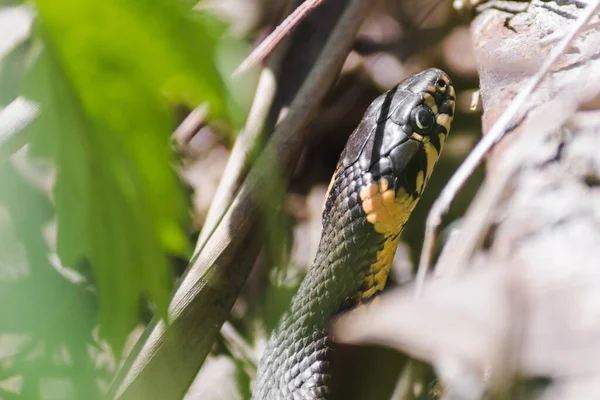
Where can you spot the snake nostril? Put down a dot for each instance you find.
(441, 83)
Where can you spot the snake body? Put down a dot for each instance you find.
(379, 179)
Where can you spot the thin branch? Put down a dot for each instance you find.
(442, 204)
(190, 125)
(239, 162)
(169, 359)
(266, 47)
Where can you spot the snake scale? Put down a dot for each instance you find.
(379, 179)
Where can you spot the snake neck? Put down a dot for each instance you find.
(351, 265)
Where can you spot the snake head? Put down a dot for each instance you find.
(420, 108)
(404, 130)
(389, 158)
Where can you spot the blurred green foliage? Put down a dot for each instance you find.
(107, 76)
(103, 76)
(50, 315)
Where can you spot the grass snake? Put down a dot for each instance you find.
(379, 179)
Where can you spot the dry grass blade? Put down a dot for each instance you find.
(190, 125)
(239, 161)
(499, 128)
(267, 46)
(203, 301)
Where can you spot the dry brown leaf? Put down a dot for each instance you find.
(461, 318)
(470, 319)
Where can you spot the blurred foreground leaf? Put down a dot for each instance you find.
(46, 320)
(103, 80)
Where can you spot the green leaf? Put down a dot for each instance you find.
(154, 48)
(28, 211)
(103, 81)
(39, 305)
(11, 70)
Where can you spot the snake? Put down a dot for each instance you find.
(381, 175)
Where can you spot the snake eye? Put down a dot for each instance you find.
(441, 83)
(422, 119)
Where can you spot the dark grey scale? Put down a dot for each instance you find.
(384, 105)
(352, 188)
(314, 371)
(353, 200)
(344, 193)
(437, 129)
(402, 155)
(353, 228)
(446, 108)
(417, 163)
(438, 97)
(311, 347)
(401, 115)
(381, 168)
(352, 176)
(389, 178)
(396, 184)
(305, 363)
(370, 119)
(295, 384)
(348, 246)
(395, 134)
(352, 250)
(361, 276)
(349, 175)
(294, 372)
(320, 392)
(435, 140)
(325, 379)
(361, 140)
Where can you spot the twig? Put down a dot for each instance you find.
(168, 361)
(190, 125)
(266, 47)
(441, 205)
(14, 118)
(238, 164)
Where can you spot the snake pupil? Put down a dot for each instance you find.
(422, 119)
